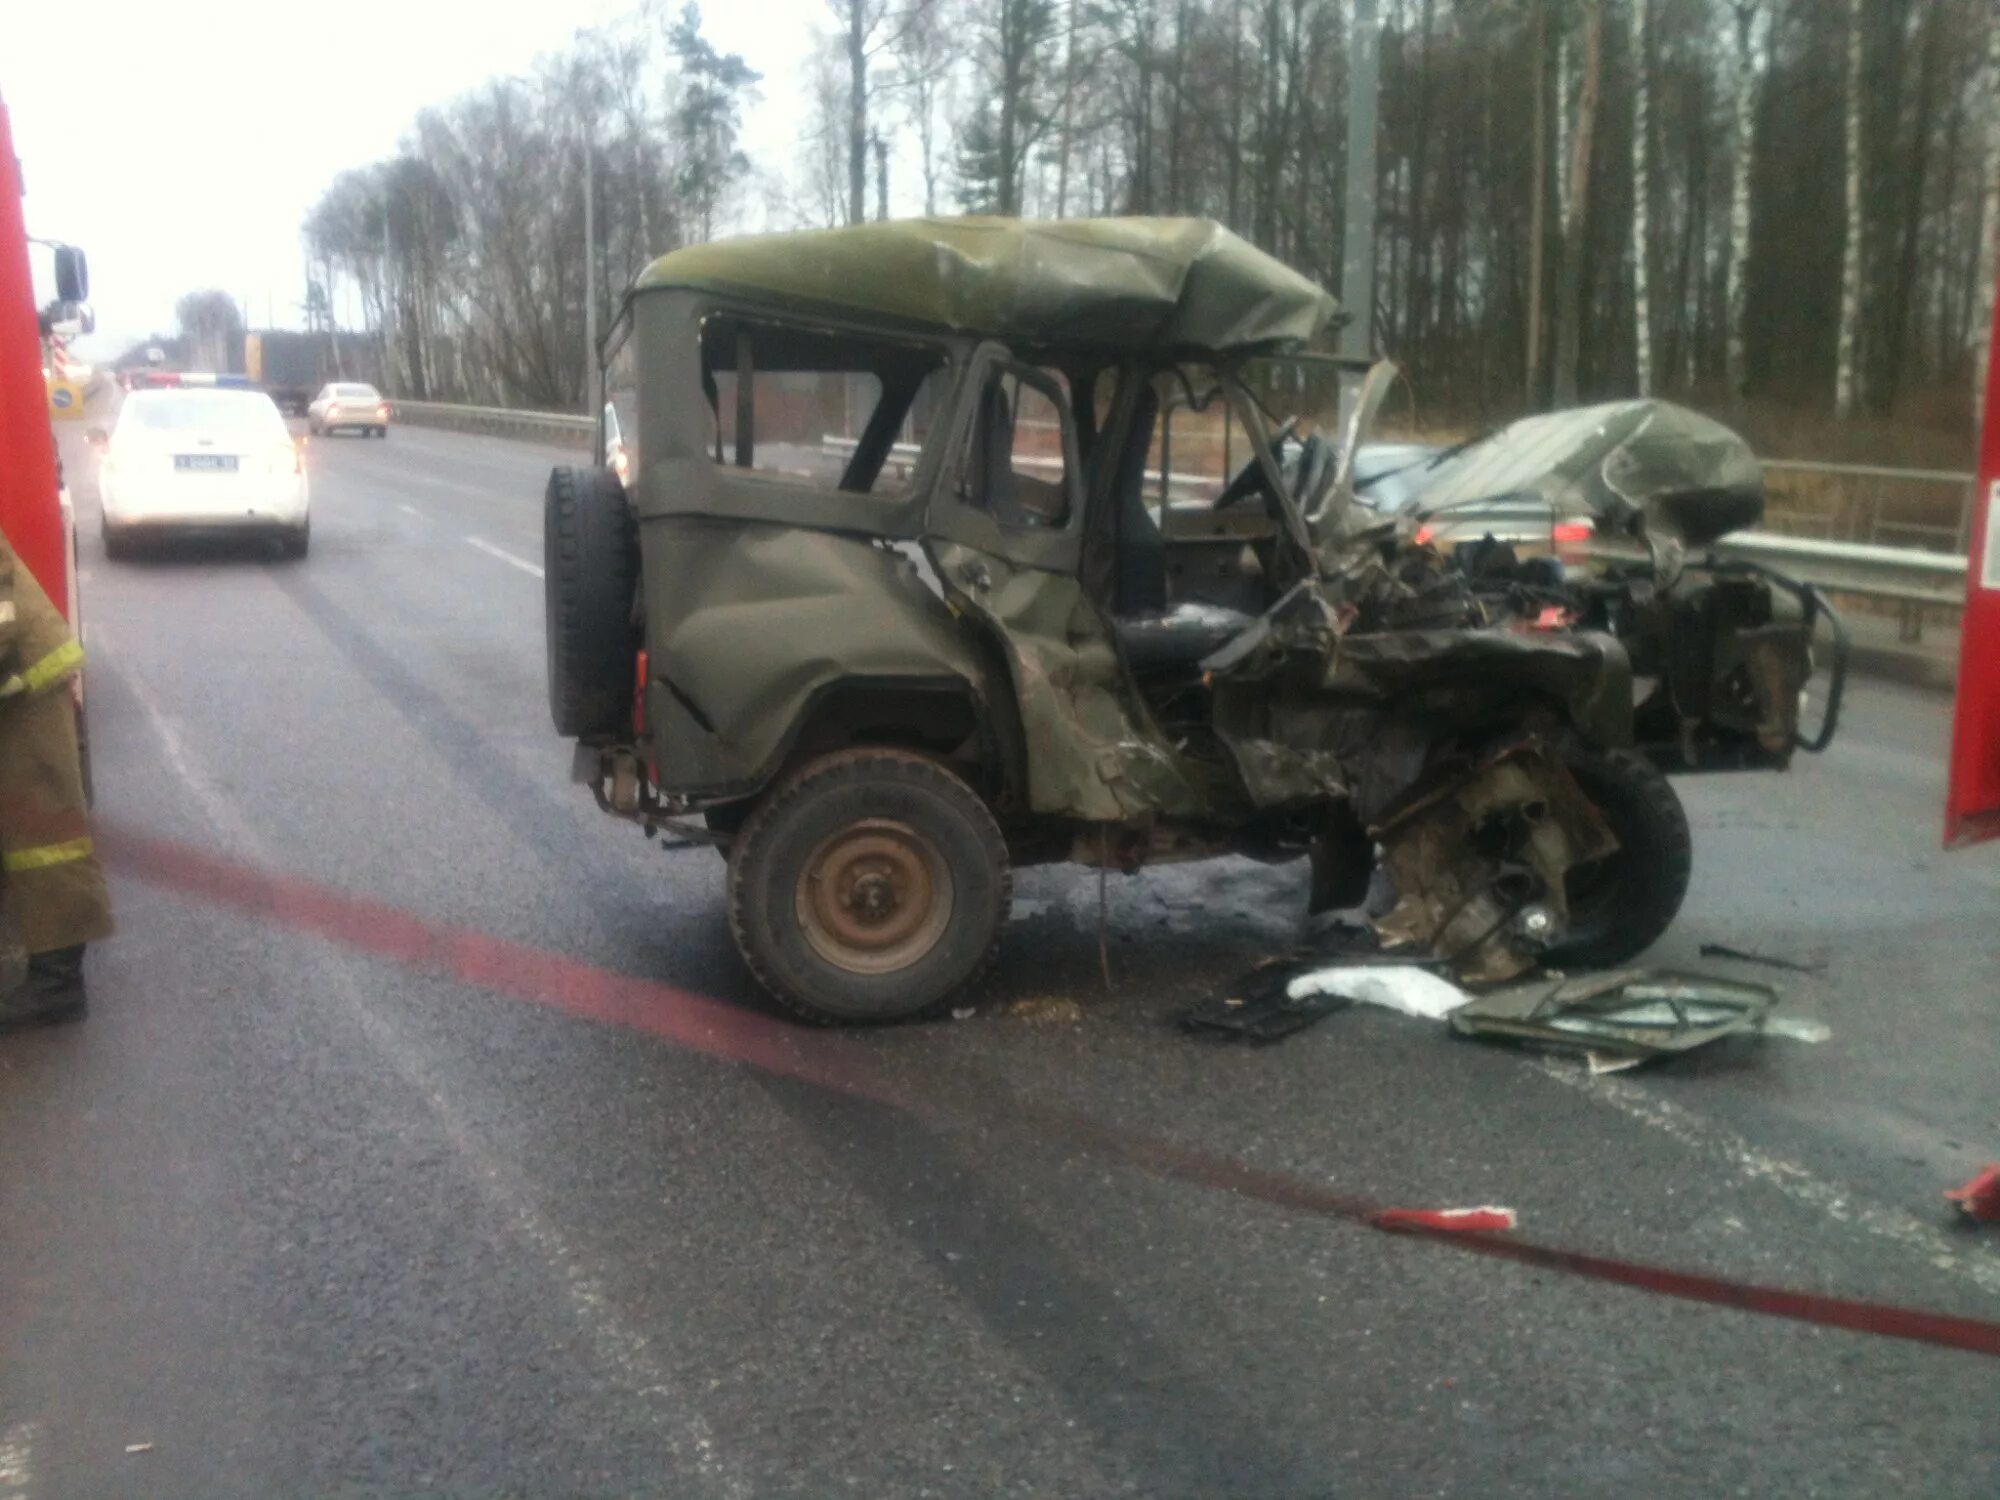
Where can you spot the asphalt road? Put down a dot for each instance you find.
(402, 1153)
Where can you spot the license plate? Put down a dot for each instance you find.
(209, 463)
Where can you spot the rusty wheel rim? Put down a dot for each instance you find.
(874, 897)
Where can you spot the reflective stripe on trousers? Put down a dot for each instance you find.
(16, 860)
(64, 659)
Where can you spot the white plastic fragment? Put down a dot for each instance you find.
(1613, 1062)
(1798, 1028)
(1399, 987)
(1194, 612)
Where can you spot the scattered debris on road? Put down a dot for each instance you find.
(1979, 1200)
(1745, 956)
(1047, 1010)
(1797, 1028)
(1453, 1220)
(1623, 1014)
(138, 1447)
(1617, 1019)
(1270, 1012)
(1404, 987)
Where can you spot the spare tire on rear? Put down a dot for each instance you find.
(590, 559)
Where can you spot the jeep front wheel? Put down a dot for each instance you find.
(1621, 904)
(870, 886)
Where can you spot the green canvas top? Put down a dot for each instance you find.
(1181, 285)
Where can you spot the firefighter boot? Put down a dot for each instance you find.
(51, 994)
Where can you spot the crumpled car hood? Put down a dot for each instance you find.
(1681, 474)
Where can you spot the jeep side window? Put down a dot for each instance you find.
(1017, 469)
(828, 409)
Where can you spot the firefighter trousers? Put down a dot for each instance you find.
(50, 884)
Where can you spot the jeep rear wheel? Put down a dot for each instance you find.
(871, 886)
(590, 557)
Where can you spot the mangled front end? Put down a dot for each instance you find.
(1448, 748)
(1721, 649)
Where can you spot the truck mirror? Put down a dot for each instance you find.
(72, 274)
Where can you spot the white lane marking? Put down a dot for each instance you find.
(532, 569)
(1754, 1164)
(621, 1348)
(213, 803)
(17, 1460)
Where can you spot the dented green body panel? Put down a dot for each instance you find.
(1092, 751)
(748, 625)
(1127, 284)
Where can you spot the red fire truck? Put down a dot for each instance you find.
(34, 509)
(1972, 808)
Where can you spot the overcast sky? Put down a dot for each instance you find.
(181, 144)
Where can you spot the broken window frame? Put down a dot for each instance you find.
(969, 478)
(944, 369)
(1250, 412)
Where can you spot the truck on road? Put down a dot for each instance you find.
(289, 365)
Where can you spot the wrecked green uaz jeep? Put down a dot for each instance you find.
(919, 551)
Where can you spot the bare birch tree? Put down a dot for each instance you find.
(1565, 102)
(1538, 207)
(1569, 286)
(925, 51)
(1742, 159)
(1846, 364)
(1642, 192)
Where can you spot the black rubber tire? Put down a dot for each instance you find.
(1622, 904)
(767, 857)
(298, 543)
(590, 559)
(117, 545)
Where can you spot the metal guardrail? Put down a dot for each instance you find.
(1904, 575)
(1878, 526)
(903, 458)
(565, 429)
(1908, 576)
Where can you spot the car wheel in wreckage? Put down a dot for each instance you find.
(1563, 855)
(869, 886)
(1621, 904)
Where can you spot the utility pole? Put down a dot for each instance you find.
(1357, 276)
(593, 401)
